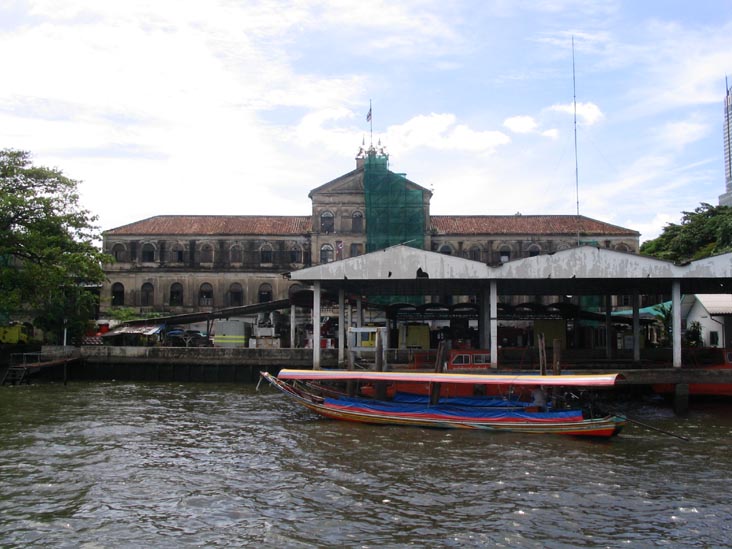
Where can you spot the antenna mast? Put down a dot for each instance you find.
(576, 164)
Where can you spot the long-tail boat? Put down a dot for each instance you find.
(323, 392)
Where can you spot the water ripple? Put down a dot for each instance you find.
(169, 465)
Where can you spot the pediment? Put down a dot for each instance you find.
(352, 182)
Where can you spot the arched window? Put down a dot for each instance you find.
(475, 253)
(295, 288)
(235, 254)
(147, 295)
(534, 250)
(119, 253)
(326, 253)
(207, 253)
(445, 249)
(118, 295)
(265, 293)
(622, 247)
(295, 254)
(327, 222)
(265, 254)
(177, 254)
(205, 295)
(357, 222)
(176, 294)
(148, 253)
(236, 295)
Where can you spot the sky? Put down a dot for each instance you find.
(242, 107)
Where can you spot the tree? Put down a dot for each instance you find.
(48, 260)
(663, 312)
(705, 231)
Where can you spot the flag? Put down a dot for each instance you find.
(368, 115)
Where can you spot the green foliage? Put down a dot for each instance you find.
(663, 312)
(48, 259)
(705, 231)
(693, 334)
(123, 314)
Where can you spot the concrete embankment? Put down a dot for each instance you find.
(190, 364)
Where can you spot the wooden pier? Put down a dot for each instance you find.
(242, 365)
(24, 365)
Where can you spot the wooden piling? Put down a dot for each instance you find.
(681, 398)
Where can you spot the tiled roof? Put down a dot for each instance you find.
(525, 224)
(190, 225)
(199, 225)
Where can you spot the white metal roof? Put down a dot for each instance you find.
(716, 304)
(574, 271)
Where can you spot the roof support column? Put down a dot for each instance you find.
(316, 325)
(676, 321)
(341, 327)
(359, 312)
(608, 326)
(636, 326)
(293, 323)
(484, 321)
(494, 324)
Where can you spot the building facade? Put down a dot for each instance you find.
(190, 263)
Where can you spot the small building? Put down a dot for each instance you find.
(710, 311)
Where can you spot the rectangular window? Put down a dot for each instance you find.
(714, 339)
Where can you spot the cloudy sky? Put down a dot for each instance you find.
(244, 106)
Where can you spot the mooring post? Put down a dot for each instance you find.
(681, 398)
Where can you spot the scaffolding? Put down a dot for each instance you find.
(394, 212)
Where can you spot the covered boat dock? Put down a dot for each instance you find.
(402, 271)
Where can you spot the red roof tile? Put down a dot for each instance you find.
(525, 224)
(190, 225)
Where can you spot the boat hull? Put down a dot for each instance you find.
(451, 417)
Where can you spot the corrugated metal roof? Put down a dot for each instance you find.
(526, 224)
(139, 330)
(189, 225)
(716, 304)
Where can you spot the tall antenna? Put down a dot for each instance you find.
(576, 164)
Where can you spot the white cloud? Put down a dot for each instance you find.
(653, 227)
(678, 134)
(521, 124)
(587, 113)
(440, 131)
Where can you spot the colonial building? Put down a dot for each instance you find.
(188, 263)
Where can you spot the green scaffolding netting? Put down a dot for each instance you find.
(394, 212)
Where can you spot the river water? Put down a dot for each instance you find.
(206, 465)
